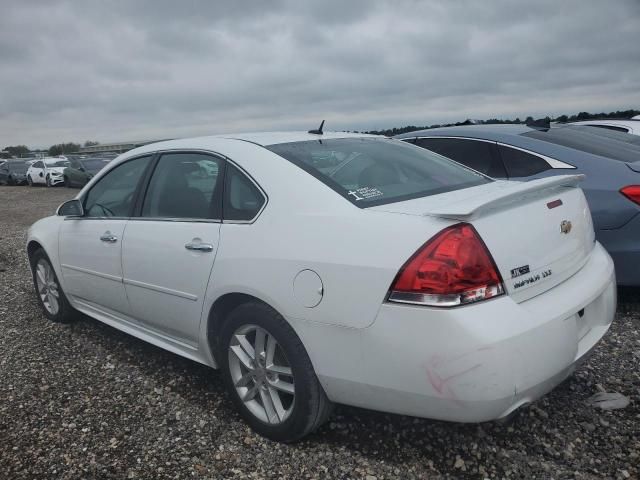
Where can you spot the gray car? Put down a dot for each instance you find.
(519, 152)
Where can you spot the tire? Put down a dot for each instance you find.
(10, 181)
(66, 182)
(48, 181)
(29, 181)
(299, 413)
(64, 313)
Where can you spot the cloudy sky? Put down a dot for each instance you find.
(126, 70)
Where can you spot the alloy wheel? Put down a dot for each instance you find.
(261, 374)
(47, 287)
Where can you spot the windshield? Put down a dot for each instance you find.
(57, 163)
(93, 165)
(17, 167)
(589, 142)
(376, 171)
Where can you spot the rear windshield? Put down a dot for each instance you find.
(18, 167)
(593, 143)
(376, 171)
(93, 165)
(57, 163)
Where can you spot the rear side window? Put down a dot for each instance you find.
(521, 164)
(376, 171)
(242, 199)
(472, 153)
(185, 185)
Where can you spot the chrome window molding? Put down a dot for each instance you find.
(553, 163)
(192, 220)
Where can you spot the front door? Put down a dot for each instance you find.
(91, 246)
(37, 172)
(169, 250)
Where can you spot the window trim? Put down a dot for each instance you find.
(553, 163)
(224, 161)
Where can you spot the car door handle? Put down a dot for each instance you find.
(199, 247)
(108, 237)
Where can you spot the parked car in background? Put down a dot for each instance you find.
(13, 172)
(47, 171)
(81, 170)
(259, 255)
(518, 152)
(631, 125)
(602, 132)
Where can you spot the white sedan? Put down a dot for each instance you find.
(47, 171)
(320, 268)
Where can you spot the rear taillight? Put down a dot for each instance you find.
(632, 192)
(453, 268)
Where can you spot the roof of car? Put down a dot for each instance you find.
(495, 132)
(273, 138)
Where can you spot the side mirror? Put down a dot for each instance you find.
(41, 174)
(81, 169)
(71, 208)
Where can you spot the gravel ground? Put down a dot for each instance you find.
(86, 401)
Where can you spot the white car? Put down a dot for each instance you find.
(320, 268)
(47, 171)
(631, 126)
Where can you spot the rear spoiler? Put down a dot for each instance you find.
(635, 166)
(509, 192)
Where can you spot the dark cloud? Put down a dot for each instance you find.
(74, 70)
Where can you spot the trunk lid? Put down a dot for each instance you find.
(539, 232)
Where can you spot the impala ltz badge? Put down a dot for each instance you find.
(565, 226)
(516, 272)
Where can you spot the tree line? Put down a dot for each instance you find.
(54, 150)
(70, 147)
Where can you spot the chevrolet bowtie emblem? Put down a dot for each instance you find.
(565, 226)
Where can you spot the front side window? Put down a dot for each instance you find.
(472, 153)
(521, 164)
(375, 171)
(185, 185)
(38, 165)
(113, 194)
(242, 199)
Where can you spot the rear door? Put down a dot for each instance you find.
(90, 247)
(170, 246)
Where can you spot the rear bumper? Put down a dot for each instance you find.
(483, 361)
(623, 244)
